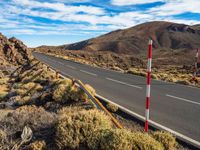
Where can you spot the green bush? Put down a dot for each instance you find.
(75, 126)
(166, 138)
(111, 107)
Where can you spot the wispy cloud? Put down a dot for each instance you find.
(133, 2)
(89, 17)
(174, 7)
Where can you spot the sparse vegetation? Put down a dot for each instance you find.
(119, 139)
(167, 139)
(37, 145)
(111, 107)
(57, 112)
(172, 72)
(75, 126)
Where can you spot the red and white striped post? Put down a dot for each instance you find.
(148, 85)
(195, 64)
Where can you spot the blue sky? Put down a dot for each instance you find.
(57, 22)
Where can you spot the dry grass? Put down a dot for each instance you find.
(112, 108)
(108, 139)
(145, 142)
(32, 116)
(167, 139)
(75, 126)
(4, 80)
(120, 139)
(37, 145)
(65, 91)
(169, 73)
(90, 89)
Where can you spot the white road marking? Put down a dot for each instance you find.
(124, 83)
(88, 73)
(183, 99)
(70, 66)
(153, 123)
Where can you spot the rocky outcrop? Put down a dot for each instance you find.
(13, 51)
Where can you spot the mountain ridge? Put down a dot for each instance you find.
(165, 35)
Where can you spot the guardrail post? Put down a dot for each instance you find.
(148, 85)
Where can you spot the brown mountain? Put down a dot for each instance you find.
(13, 51)
(165, 35)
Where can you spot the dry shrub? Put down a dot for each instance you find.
(59, 93)
(37, 145)
(3, 94)
(171, 79)
(166, 138)
(185, 82)
(154, 76)
(27, 88)
(37, 73)
(3, 140)
(111, 107)
(65, 91)
(110, 139)
(4, 80)
(23, 100)
(90, 89)
(32, 116)
(61, 90)
(145, 142)
(75, 126)
(136, 71)
(120, 139)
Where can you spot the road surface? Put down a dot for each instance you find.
(174, 106)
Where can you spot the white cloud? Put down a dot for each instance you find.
(98, 20)
(175, 7)
(132, 2)
(60, 7)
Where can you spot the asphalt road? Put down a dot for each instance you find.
(174, 106)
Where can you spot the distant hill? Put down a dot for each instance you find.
(13, 51)
(166, 35)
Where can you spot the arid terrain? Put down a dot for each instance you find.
(174, 47)
(40, 110)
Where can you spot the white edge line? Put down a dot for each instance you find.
(124, 83)
(172, 83)
(88, 73)
(157, 125)
(183, 99)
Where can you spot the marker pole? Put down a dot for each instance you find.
(148, 85)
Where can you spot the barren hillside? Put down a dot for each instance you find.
(13, 51)
(166, 35)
